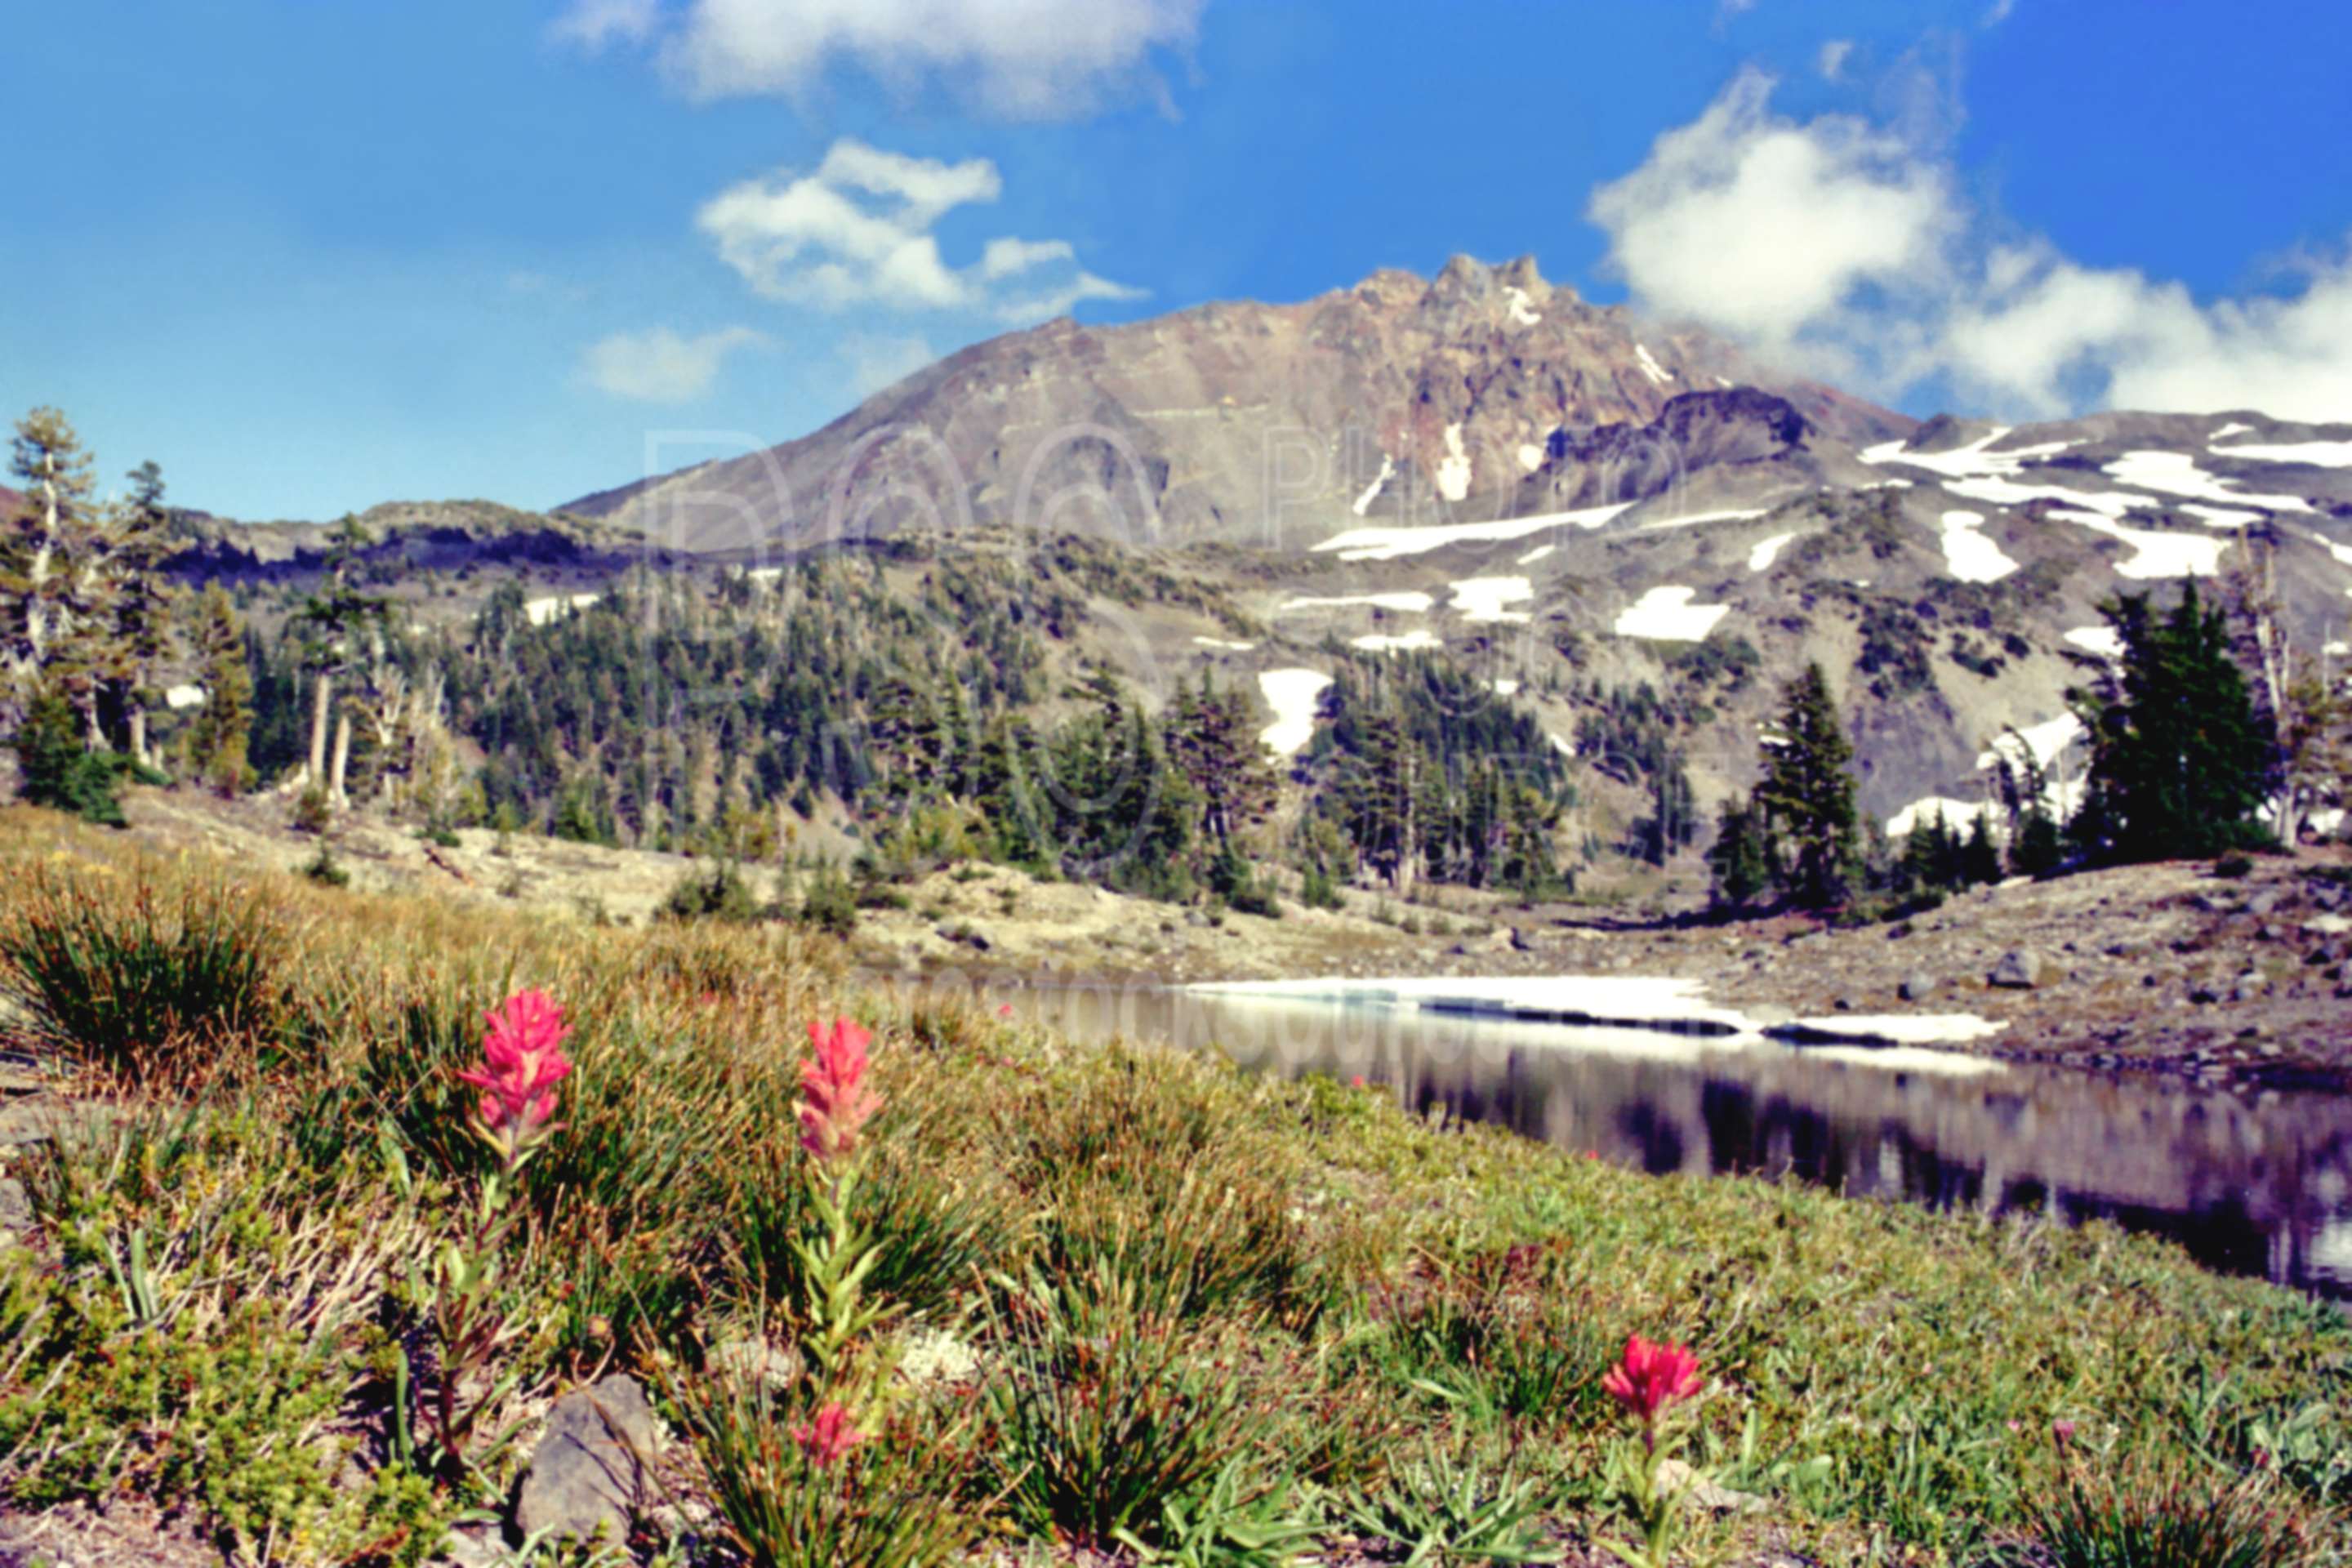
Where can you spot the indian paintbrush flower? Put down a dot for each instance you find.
(835, 1103)
(1652, 1377)
(523, 1060)
(828, 1437)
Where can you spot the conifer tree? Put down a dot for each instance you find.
(1210, 738)
(1807, 796)
(218, 736)
(1737, 859)
(44, 547)
(2179, 762)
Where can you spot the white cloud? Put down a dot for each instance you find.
(876, 361)
(2001, 12)
(592, 23)
(1843, 248)
(660, 366)
(1833, 56)
(1030, 59)
(857, 231)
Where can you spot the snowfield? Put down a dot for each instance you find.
(2312, 454)
(1482, 598)
(1410, 602)
(1293, 694)
(1454, 469)
(1380, 482)
(1959, 815)
(1650, 366)
(2177, 474)
(1409, 642)
(2156, 554)
(1768, 550)
(1971, 556)
(1386, 543)
(2105, 641)
(1667, 615)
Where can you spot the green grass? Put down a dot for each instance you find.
(1225, 1319)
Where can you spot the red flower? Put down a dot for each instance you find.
(523, 1060)
(1005, 1010)
(828, 1437)
(836, 1103)
(1652, 1377)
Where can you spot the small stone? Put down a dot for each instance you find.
(1916, 987)
(587, 1477)
(1694, 1490)
(2021, 969)
(2265, 902)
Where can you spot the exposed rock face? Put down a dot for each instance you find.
(588, 1473)
(1270, 424)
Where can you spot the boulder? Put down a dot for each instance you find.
(588, 1475)
(2021, 969)
(1916, 987)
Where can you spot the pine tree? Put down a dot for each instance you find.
(1806, 797)
(45, 548)
(2179, 762)
(223, 724)
(1738, 858)
(1210, 738)
(135, 542)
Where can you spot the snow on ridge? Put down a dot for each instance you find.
(2156, 554)
(1384, 542)
(1523, 312)
(1294, 695)
(1766, 551)
(2045, 741)
(1222, 643)
(2218, 516)
(1372, 491)
(1537, 553)
(1968, 555)
(1657, 373)
(2105, 641)
(1454, 469)
(1409, 642)
(1667, 615)
(1699, 516)
(2314, 454)
(2342, 553)
(1482, 598)
(2177, 474)
(1409, 601)
(2226, 431)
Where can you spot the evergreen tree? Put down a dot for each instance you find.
(60, 772)
(1738, 860)
(1212, 740)
(223, 725)
(1806, 797)
(45, 548)
(2179, 763)
(1980, 857)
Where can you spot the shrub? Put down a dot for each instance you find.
(718, 893)
(2133, 1517)
(59, 771)
(133, 985)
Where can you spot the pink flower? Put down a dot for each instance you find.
(1652, 1377)
(828, 1437)
(2063, 1431)
(1004, 1011)
(1357, 1081)
(523, 1060)
(835, 1102)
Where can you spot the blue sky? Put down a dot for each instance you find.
(313, 256)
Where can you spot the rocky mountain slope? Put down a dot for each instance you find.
(1269, 424)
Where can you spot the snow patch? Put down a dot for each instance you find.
(1531, 457)
(1565, 748)
(2219, 516)
(1523, 312)
(1699, 516)
(1363, 503)
(1229, 646)
(1454, 469)
(1409, 642)
(539, 612)
(1537, 553)
(1482, 598)
(1411, 602)
(1507, 687)
(2226, 431)
(1766, 551)
(1385, 543)
(1667, 615)
(2105, 641)
(2177, 474)
(2046, 741)
(1958, 814)
(2312, 454)
(2342, 553)
(1971, 557)
(1650, 366)
(1724, 381)
(2156, 554)
(180, 697)
(1294, 695)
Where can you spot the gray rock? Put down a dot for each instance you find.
(1694, 1491)
(16, 1207)
(1916, 987)
(588, 1475)
(778, 1365)
(2021, 969)
(2265, 903)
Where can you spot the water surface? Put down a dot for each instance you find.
(2247, 1181)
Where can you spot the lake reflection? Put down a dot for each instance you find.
(2259, 1182)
